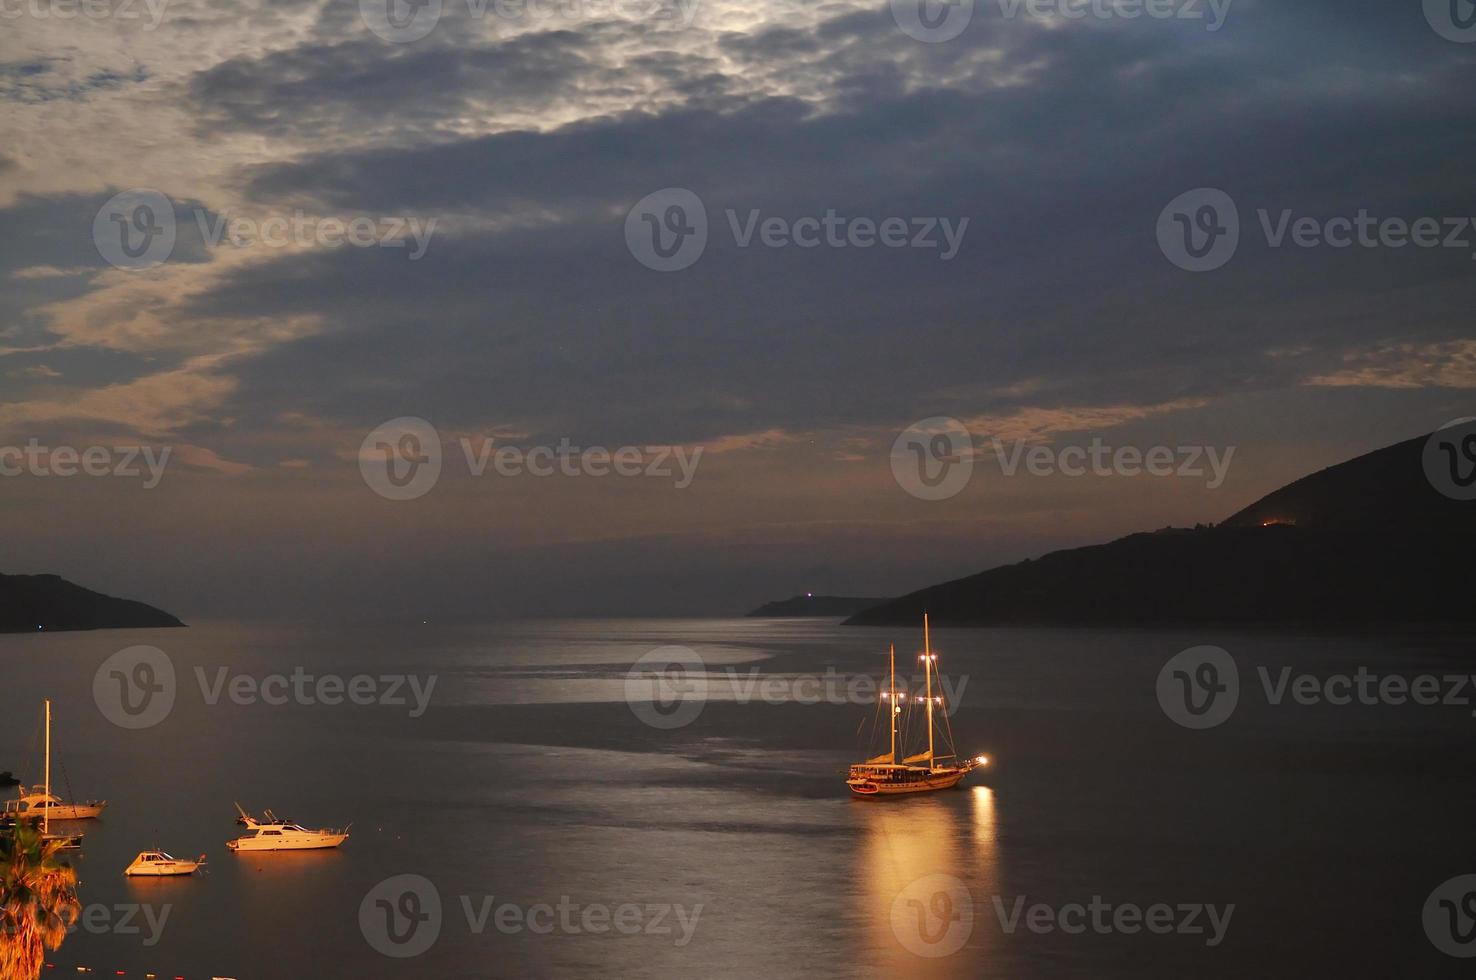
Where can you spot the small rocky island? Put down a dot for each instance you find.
(46, 603)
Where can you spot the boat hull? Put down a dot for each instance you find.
(68, 842)
(154, 871)
(872, 788)
(34, 806)
(312, 842)
(77, 811)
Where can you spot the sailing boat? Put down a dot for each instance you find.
(37, 802)
(891, 774)
(66, 840)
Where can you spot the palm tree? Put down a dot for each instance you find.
(38, 901)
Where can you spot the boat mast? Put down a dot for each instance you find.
(928, 673)
(892, 700)
(45, 803)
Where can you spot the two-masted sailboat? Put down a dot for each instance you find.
(894, 773)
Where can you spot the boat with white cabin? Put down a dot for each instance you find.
(159, 864)
(893, 773)
(30, 804)
(14, 812)
(273, 834)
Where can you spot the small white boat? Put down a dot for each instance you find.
(273, 834)
(36, 803)
(160, 864)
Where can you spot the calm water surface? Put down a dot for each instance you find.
(529, 781)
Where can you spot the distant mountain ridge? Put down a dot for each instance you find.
(36, 603)
(815, 605)
(1369, 540)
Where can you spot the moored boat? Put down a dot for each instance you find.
(32, 804)
(65, 840)
(893, 773)
(272, 834)
(158, 864)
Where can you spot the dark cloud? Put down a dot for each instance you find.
(362, 89)
(43, 80)
(1061, 150)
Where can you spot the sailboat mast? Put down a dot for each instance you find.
(46, 808)
(928, 673)
(896, 709)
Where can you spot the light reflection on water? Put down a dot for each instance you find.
(929, 865)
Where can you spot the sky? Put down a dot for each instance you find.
(764, 247)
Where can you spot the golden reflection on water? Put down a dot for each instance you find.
(928, 868)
